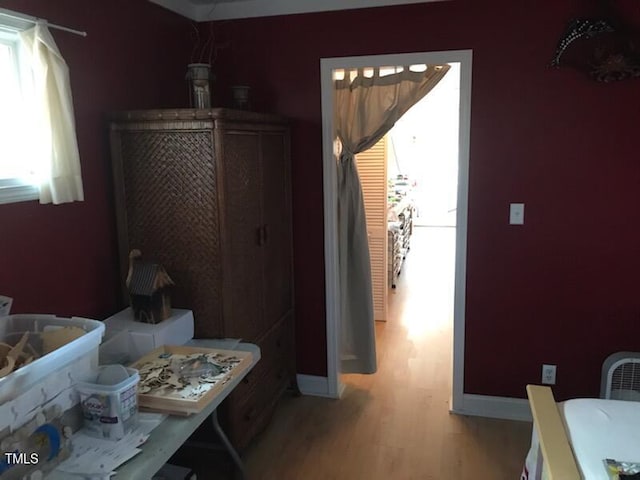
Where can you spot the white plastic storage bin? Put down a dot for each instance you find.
(69, 363)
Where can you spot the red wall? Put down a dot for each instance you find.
(561, 289)
(62, 259)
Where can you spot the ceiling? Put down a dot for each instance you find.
(204, 10)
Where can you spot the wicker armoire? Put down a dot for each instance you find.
(207, 194)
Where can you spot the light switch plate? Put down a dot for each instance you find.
(516, 214)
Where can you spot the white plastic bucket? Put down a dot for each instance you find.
(110, 411)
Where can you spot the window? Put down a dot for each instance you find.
(39, 156)
(18, 179)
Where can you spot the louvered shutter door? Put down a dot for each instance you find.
(372, 169)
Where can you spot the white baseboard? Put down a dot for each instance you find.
(341, 388)
(505, 408)
(313, 385)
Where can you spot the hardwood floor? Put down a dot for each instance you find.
(395, 424)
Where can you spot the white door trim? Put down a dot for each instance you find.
(332, 278)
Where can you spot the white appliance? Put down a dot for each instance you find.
(621, 377)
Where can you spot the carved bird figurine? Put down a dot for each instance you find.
(133, 256)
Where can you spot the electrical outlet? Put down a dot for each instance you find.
(549, 374)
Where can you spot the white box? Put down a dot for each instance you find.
(144, 337)
(115, 348)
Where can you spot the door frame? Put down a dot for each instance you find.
(332, 277)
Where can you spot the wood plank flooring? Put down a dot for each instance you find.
(395, 424)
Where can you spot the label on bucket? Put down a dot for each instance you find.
(98, 408)
(110, 416)
(110, 411)
(129, 402)
(101, 416)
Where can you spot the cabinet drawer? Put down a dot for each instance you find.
(277, 355)
(247, 419)
(252, 381)
(274, 382)
(250, 406)
(279, 342)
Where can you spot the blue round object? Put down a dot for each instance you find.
(53, 436)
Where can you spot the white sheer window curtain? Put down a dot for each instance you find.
(366, 106)
(57, 165)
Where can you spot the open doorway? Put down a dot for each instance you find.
(409, 181)
(424, 164)
(332, 280)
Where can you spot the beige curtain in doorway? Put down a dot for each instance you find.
(366, 107)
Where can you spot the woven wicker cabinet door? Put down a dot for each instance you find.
(172, 216)
(243, 275)
(278, 263)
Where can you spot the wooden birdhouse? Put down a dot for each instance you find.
(149, 289)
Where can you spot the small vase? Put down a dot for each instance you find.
(241, 97)
(199, 81)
